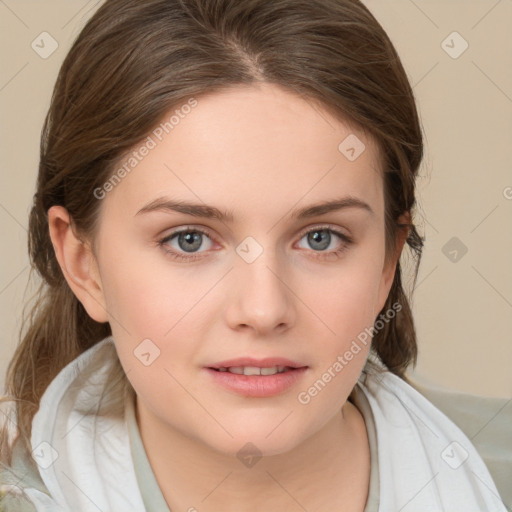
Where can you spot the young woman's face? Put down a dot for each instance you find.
(257, 272)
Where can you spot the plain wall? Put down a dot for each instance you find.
(462, 302)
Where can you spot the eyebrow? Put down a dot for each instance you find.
(163, 204)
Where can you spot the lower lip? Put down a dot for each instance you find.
(257, 385)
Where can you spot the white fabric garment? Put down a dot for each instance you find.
(80, 441)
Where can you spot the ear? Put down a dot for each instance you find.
(77, 263)
(389, 270)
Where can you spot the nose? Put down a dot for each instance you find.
(260, 297)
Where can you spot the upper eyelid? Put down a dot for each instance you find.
(323, 226)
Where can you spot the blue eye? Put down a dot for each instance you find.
(185, 244)
(320, 238)
(188, 240)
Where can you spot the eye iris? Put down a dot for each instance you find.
(314, 237)
(192, 239)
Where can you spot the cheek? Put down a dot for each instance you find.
(155, 303)
(347, 305)
(147, 299)
(348, 310)
(346, 298)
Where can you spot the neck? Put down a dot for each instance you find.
(328, 471)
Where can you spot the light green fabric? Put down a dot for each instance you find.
(149, 489)
(358, 398)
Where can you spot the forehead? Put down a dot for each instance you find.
(250, 146)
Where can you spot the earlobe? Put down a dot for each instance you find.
(77, 263)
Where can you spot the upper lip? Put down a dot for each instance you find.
(267, 362)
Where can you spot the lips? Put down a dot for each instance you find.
(252, 377)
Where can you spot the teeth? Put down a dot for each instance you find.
(239, 370)
(273, 370)
(269, 371)
(254, 370)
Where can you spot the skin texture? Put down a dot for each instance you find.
(259, 153)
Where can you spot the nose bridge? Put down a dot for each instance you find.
(261, 298)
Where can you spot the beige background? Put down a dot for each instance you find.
(463, 308)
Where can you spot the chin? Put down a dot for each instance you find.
(252, 442)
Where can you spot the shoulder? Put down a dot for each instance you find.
(487, 422)
(418, 442)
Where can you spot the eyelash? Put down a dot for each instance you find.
(321, 255)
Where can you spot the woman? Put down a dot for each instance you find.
(224, 192)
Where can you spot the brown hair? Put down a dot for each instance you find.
(131, 63)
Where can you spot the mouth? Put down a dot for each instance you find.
(254, 370)
(256, 380)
